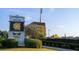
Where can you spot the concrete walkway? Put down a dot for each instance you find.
(57, 49)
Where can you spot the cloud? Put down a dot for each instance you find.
(60, 26)
(28, 17)
(51, 9)
(15, 10)
(19, 12)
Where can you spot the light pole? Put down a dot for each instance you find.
(65, 35)
(48, 32)
(40, 14)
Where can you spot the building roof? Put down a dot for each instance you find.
(17, 18)
(38, 23)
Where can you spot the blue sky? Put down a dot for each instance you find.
(58, 20)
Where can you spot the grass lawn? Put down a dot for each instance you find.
(27, 49)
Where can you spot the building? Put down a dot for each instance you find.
(16, 29)
(39, 27)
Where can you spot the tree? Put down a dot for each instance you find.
(4, 34)
(33, 33)
(55, 36)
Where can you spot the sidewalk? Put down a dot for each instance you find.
(57, 49)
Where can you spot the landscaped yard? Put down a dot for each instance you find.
(26, 49)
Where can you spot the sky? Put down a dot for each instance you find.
(58, 20)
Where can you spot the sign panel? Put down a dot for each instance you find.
(16, 26)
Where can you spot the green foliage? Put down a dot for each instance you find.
(41, 36)
(9, 43)
(38, 43)
(55, 36)
(33, 43)
(4, 34)
(33, 33)
(1, 40)
(0, 45)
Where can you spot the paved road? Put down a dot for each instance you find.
(57, 49)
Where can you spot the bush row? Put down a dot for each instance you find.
(74, 46)
(8, 43)
(12, 43)
(33, 43)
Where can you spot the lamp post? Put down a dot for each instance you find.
(48, 32)
(40, 14)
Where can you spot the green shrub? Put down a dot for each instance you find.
(1, 40)
(33, 43)
(9, 43)
(0, 45)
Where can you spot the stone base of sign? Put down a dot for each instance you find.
(19, 36)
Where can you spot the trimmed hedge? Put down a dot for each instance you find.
(62, 43)
(33, 43)
(0, 44)
(10, 43)
(1, 40)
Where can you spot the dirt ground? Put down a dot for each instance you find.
(26, 49)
